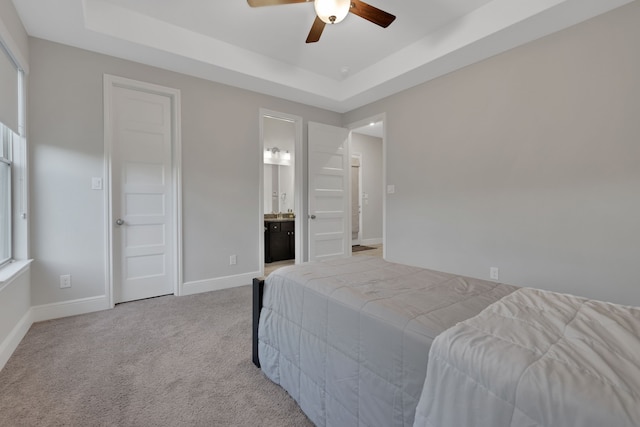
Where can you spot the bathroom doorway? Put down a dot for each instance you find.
(280, 224)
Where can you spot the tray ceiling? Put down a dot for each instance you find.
(263, 49)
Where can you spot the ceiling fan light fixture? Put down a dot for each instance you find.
(332, 11)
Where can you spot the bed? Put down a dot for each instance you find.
(349, 339)
(536, 358)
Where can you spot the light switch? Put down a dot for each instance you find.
(96, 183)
(391, 189)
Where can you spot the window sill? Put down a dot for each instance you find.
(12, 270)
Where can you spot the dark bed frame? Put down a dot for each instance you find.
(258, 290)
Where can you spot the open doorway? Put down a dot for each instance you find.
(280, 224)
(368, 181)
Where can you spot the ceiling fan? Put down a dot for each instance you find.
(334, 11)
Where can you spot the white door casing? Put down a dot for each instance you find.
(329, 192)
(144, 197)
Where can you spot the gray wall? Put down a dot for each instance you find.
(371, 149)
(528, 161)
(15, 31)
(220, 155)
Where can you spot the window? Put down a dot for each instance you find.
(6, 137)
(12, 159)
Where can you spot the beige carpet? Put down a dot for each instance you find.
(168, 361)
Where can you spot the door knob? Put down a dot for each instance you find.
(312, 216)
(119, 221)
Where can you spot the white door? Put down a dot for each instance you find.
(329, 202)
(142, 200)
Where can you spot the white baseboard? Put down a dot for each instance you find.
(207, 285)
(376, 241)
(56, 310)
(9, 345)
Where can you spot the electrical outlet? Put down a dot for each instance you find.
(494, 273)
(65, 281)
(233, 260)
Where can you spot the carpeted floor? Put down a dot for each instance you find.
(167, 361)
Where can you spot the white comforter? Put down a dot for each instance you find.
(536, 358)
(349, 338)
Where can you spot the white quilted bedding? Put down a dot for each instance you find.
(349, 338)
(536, 358)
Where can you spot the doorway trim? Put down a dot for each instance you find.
(298, 181)
(381, 117)
(109, 83)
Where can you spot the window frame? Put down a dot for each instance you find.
(13, 152)
(6, 147)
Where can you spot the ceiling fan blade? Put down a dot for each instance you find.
(258, 3)
(372, 14)
(316, 30)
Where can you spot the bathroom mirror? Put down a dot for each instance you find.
(278, 188)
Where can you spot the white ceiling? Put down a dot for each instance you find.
(263, 49)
